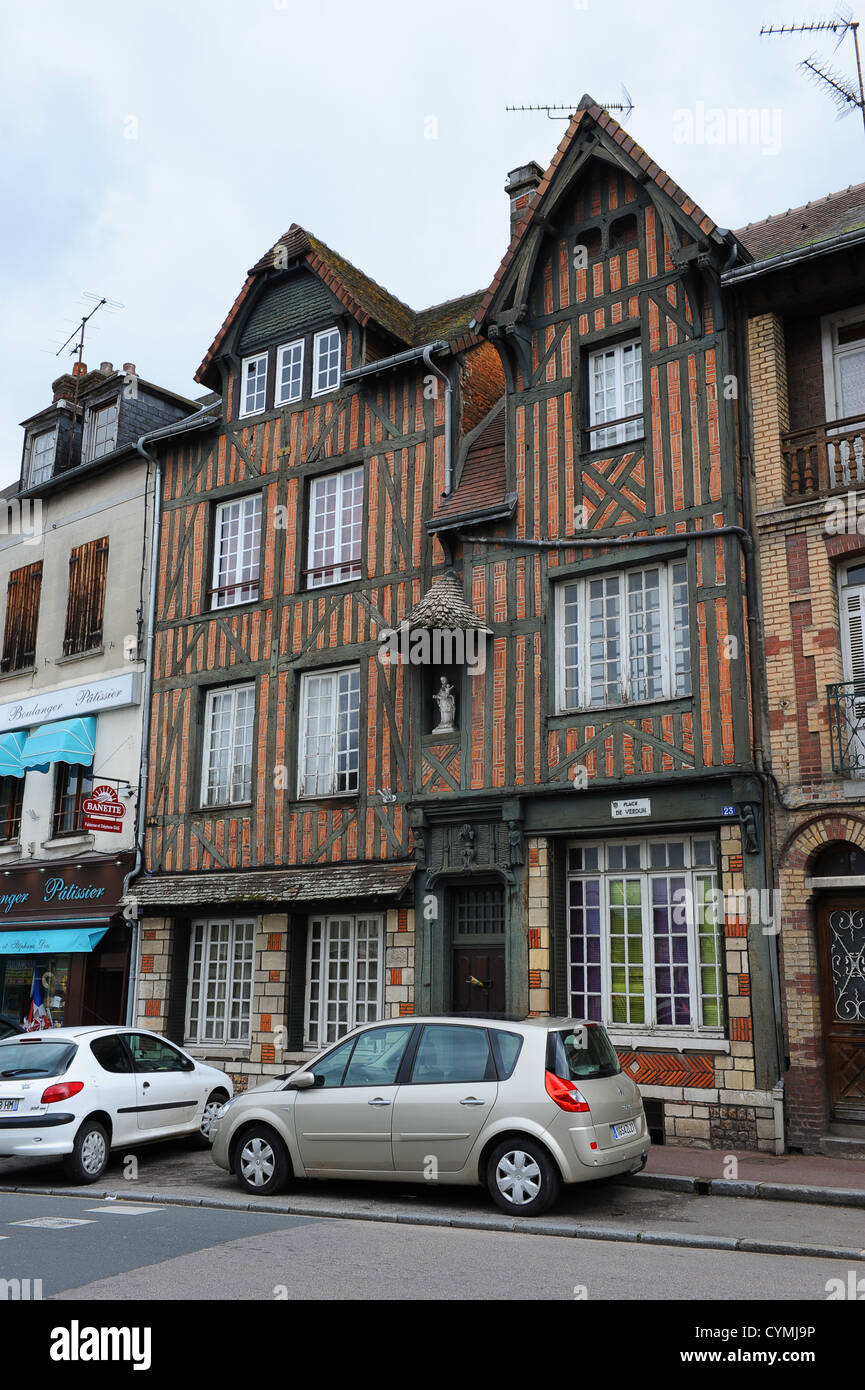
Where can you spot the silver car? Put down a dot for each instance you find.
(520, 1107)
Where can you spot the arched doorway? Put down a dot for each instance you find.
(838, 875)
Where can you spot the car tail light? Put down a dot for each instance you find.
(62, 1091)
(565, 1093)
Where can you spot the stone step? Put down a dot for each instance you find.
(850, 1130)
(843, 1146)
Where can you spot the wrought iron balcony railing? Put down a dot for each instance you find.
(826, 458)
(847, 727)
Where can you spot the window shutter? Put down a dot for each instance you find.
(85, 606)
(854, 620)
(296, 992)
(175, 1022)
(22, 617)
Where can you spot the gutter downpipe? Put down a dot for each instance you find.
(166, 431)
(449, 392)
(399, 359)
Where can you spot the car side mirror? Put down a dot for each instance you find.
(302, 1081)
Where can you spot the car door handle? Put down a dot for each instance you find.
(145, 1085)
(472, 1100)
(379, 1100)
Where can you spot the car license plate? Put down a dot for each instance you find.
(8, 1105)
(625, 1131)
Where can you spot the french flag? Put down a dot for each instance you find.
(38, 1015)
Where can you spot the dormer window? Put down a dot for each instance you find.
(253, 384)
(325, 365)
(103, 431)
(43, 448)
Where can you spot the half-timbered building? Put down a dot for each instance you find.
(542, 796)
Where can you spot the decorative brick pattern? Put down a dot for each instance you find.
(152, 1008)
(147, 965)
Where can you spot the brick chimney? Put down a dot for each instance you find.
(106, 367)
(129, 368)
(521, 187)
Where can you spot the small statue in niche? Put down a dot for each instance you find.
(515, 844)
(444, 698)
(467, 835)
(419, 844)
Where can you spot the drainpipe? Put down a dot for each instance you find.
(195, 421)
(401, 359)
(449, 391)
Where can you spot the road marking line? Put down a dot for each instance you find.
(52, 1223)
(126, 1209)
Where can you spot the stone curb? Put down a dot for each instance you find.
(767, 1191)
(478, 1223)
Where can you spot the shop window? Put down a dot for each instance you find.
(23, 593)
(72, 785)
(85, 605)
(11, 798)
(624, 638)
(228, 723)
(236, 551)
(345, 968)
(644, 945)
(219, 1003)
(25, 980)
(329, 732)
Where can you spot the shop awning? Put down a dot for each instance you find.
(11, 748)
(66, 741)
(256, 889)
(50, 943)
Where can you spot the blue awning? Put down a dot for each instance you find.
(66, 741)
(11, 748)
(50, 943)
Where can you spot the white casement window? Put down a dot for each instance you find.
(335, 528)
(219, 997)
(615, 395)
(103, 431)
(844, 364)
(850, 725)
(326, 349)
(623, 638)
(236, 551)
(289, 373)
(253, 384)
(644, 934)
(227, 762)
(344, 976)
(329, 732)
(43, 448)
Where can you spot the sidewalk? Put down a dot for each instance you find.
(790, 1177)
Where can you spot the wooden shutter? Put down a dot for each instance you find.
(296, 992)
(85, 606)
(22, 617)
(175, 1021)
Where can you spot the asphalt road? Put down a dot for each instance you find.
(86, 1249)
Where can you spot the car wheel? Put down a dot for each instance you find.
(89, 1157)
(214, 1102)
(522, 1178)
(261, 1162)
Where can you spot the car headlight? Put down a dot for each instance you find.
(224, 1109)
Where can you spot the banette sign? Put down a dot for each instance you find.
(112, 693)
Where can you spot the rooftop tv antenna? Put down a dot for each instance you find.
(846, 94)
(78, 348)
(625, 106)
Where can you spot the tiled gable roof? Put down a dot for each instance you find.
(444, 607)
(481, 489)
(589, 112)
(363, 297)
(817, 221)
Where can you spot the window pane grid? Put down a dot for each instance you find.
(289, 373)
(335, 528)
(344, 976)
(326, 364)
(253, 384)
(219, 1007)
(42, 454)
(615, 391)
(330, 733)
(237, 550)
(228, 746)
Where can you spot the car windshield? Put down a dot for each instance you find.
(33, 1057)
(581, 1053)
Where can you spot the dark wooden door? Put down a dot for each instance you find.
(479, 980)
(841, 932)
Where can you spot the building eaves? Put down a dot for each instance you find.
(338, 882)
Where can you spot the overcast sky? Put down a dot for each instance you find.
(152, 151)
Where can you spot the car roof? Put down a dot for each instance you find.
(474, 1021)
(65, 1034)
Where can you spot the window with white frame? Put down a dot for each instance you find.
(253, 384)
(326, 349)
(103, 431)
(844, 364)
(227, 762)
(616, 395)
(623, 638)
(644, 934)
(329, 732)
(219, 999)
(335, 528)
(43, 448)
(289, 373)
(344, 976)
(236, 551)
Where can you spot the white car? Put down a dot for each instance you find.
(77, 1093)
